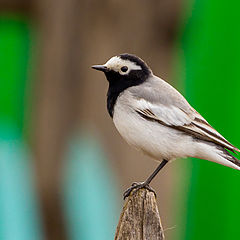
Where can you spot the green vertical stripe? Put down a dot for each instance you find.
(19, 215)
(211, 56)
(14, 56)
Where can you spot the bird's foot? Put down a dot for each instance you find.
(136, 186)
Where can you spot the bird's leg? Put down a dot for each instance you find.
(136, 186)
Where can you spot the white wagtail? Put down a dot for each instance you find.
(155, 118)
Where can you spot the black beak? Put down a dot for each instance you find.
(100, 68)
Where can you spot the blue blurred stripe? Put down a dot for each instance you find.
(19, 215)
(91, 195)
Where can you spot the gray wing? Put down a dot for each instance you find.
(165, 105)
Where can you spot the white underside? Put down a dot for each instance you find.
(161, 142)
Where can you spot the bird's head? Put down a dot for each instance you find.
(125, 70)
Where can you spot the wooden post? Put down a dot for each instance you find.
(140, 219)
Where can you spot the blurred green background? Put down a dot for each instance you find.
(63, 166)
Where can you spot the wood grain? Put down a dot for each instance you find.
(140, 219)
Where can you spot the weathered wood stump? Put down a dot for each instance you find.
(140, 219)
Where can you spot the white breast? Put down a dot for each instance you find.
(154, 139)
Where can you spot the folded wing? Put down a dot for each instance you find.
(184, 119)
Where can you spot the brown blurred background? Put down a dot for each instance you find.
(63, 165)
(70, 36)
(75, 35)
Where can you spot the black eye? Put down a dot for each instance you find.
(124, 69)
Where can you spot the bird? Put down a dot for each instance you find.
(153, 117)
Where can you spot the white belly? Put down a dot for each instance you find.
(154, 139)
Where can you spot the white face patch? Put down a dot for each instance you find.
(116, 64)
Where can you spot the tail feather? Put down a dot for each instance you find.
(228, 156)
(216, 153)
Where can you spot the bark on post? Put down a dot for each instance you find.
(140, 219)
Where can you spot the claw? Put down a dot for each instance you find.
(136, 186)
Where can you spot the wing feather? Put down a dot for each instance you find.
(190, 122)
